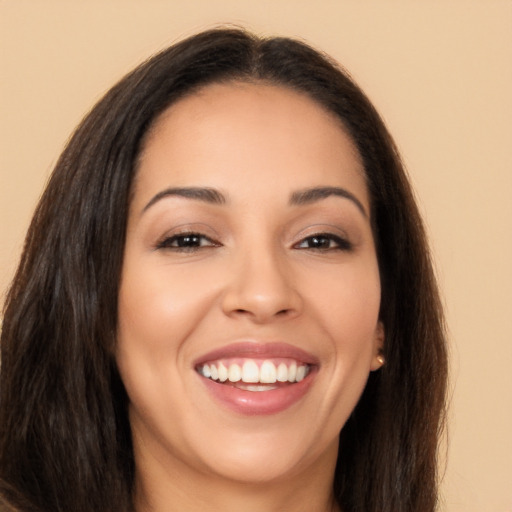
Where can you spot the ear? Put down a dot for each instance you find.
(378, 348)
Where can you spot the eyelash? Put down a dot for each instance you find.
(340, 244)
(192, 242)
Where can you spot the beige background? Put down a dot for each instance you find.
(441, 75)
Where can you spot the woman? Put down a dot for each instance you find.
(225, 300)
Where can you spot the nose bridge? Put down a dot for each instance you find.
(261, 284)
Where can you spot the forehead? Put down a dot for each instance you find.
(246, 102)
(226, 131)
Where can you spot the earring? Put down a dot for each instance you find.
(381, 359)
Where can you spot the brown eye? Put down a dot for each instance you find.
(186, 242)
(324, 242)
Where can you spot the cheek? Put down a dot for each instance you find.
(347, 305)
(348, 313)
(157, 312)
(157, 308)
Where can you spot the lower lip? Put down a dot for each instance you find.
(253, 403)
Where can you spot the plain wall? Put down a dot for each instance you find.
(439, 72)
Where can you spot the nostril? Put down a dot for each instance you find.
(281, 312)
(260, 300)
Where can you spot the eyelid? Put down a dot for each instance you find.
(344, 240)
(195, 229)
(342, 243)
(321, 229)
(166, 243)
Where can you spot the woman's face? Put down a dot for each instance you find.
(250, 291)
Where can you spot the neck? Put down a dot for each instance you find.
(229, 498)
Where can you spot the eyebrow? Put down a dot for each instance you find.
(205, 194)
(298, 198)
(312, 195)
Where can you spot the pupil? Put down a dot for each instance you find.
(317, 241)
(187, 241)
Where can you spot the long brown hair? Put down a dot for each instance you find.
(64, 434)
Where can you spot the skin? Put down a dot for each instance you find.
(256, 276)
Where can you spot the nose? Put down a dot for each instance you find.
(262, 288)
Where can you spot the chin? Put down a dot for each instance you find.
(272, 452)
(257, 465)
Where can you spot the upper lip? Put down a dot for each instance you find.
(253, 349)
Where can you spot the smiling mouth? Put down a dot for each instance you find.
(255, 374)
(251, 378)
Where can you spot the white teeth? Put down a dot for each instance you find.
(235, 373)
(223, 373)
(251, 373)
(268, 372)
(282, 373)
(255, 387)
(292, 372)
(301, 373)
